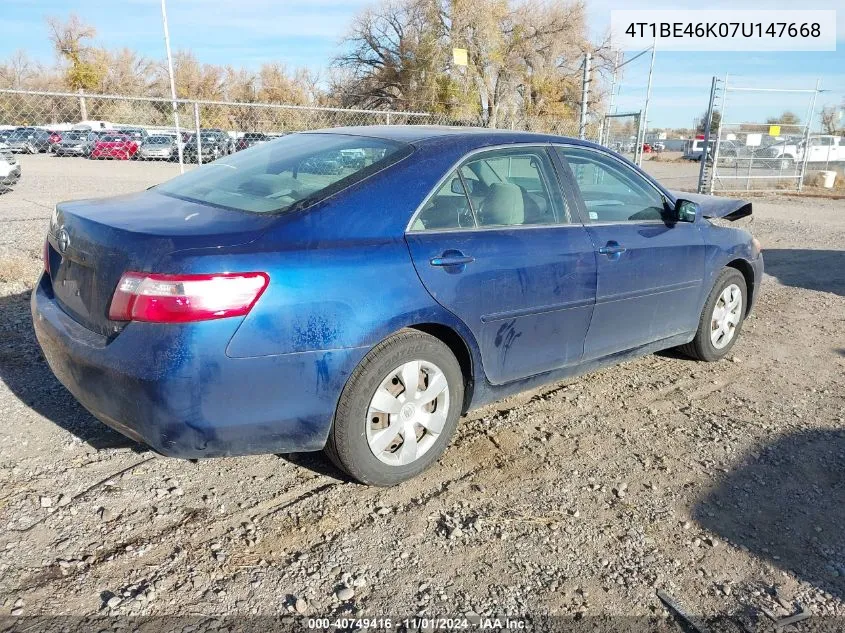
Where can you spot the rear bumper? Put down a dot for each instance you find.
(173, 388)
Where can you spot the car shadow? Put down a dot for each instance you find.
(786, 503)
(807, 268)
(317, 463)
(25, 372)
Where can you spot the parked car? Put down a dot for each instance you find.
(75, 143)
(137, 134)
(250, 307)
(735, 153)
(355, 158)
(249, 139)
(29, 140)
(646, 148)
(787, 153)
(695, 149)
(659, 146)
(10, 168)
(330, 163)
(212, 144)
(159, 147)
(114, 145)
(55, 139)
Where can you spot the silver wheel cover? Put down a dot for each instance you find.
(726, 316)
(407, 413)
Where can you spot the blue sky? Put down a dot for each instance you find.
(249, 32)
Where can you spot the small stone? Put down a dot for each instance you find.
(382, 511)
(46, 502)
(301, 606)
(114, 602)
(687, 525)
(347, 593)
(178, 492)
(17, 611)
(456, 533)
(64, 500)
(107, 515)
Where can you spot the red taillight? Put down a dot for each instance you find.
(185, 298)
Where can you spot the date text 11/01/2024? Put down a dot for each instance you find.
(419, 624)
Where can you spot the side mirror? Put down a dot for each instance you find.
(685, 210)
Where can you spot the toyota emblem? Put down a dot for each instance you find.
(63, 240)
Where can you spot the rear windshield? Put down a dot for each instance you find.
(285, 174)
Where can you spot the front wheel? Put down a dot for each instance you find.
(398, 410)
(721, 319)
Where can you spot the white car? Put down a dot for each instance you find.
(824, 148)
(10, 168)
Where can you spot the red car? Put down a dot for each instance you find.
(647, 148)
(117, 146)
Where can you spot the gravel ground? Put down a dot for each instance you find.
(722, 484)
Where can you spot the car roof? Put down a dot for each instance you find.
(418, 134)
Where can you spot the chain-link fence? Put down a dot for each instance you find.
(620, 132)
(196, 131)
(769, 153)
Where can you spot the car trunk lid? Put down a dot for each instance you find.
(91, 243)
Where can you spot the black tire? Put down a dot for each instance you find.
(347, 444)
(701, 347)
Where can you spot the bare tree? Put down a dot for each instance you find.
(830, 118)
(72, 41)
(519, 56)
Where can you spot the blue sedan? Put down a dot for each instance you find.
(260, 305)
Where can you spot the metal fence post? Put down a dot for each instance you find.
(387, 118)
(707, 123)
(806, 157)
(83, 109)
(585, 96)
(197, 126)
(644, 121)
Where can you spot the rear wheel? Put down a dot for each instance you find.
(721, 319)
(398, 410)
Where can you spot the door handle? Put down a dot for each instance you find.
(612, 248)
(451, 260)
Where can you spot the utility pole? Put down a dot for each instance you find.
(172, 87)
(644, 125)
(585, 96)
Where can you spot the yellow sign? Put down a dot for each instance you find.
(460, 57)
(774, 130)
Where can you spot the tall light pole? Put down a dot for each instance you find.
(644, 123)
(172, 86)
